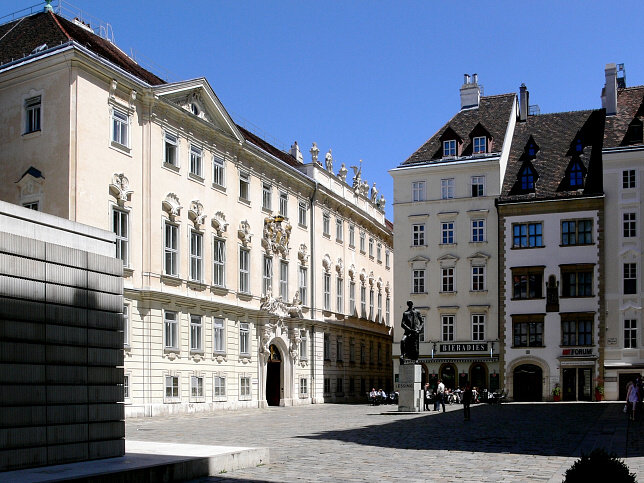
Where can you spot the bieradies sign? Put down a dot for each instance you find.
(464, 347)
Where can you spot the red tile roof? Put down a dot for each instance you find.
(630, 104)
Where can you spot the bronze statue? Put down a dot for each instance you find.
(412, 323)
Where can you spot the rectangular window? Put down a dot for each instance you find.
(120, 127)
(363, 239)
(171, 249)
(219, 262)
(447, 232)
(218, 335)
(327, 291)
(244, 339)
(449, 148)
(244, 186)
(302, 282)
(370, 247)
(630, 225)
(244, 387)
(284, 280)
(171, 387)
(371, 358)
(170, 330)
(527, 283)
(418, 191)
(267, 191)
(352, 385)
(576, 232)
(418, 281)
(363, 301)
(576, 281)
(478, 185)
(339, 386)
(630, 278)
(326, 224)
(447, 279)
(352, 236)
(371, 312)
(379, 252)
(527, 235)
(196, 387)
(304, 389)
(379, 354)
(478, 231)
(478, 279)
(379, 319)
(339, 285)
(352, 298)
(327, 347)
(338, 349)
(387, 309)
(268, 275)
(327, 385)
(352, 350)
(447, 188)
(478, 327)
(244, 270)
(32, 114)
(576, 332)
(528, 331)
(196, 338)
(196, 256)
(447, 328)
(303, 346)
(418, 234)
(630, 334)
(126, 325)
(387, 261)
(284, 204)
(628, 178)
(301, 213)
(126, 386)
(363, 353)
(171, 149)
(479, 145)
(219, 386)
(218, 171)
(120, 226)
(196, 155)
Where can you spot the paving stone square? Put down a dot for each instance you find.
(508, 442)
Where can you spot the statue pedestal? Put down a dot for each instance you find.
(410, 398)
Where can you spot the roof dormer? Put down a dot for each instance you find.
(451, 143)
(480, 140)
(531, 149)
(526, 179)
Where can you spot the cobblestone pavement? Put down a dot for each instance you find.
(509, 442)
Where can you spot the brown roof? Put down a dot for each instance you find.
(493, 114)
(269, 148)
(555, 136)
(630, 105)
(18, 39)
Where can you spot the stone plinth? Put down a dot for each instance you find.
(409, 388)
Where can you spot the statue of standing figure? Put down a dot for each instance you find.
(374, 194)
(314, 153)
(328, 160)
(342, 174)
(412, 323)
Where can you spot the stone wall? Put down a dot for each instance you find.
(61, 341)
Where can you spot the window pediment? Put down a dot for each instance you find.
(448, 260)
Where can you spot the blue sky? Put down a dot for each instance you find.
(373, 80)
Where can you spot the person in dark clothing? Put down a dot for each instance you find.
(428, 396)
(467, 401)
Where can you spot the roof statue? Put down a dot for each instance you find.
(374, 193)
(357, 180)
(314, 153)
(328, 160)
(342, 174)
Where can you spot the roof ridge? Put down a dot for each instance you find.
(53, 15)
(499, 95)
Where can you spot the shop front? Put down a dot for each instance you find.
(578, 373)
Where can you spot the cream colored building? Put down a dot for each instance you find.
(251, 277)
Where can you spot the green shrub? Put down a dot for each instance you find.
(599, 466)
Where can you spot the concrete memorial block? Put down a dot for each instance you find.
(409, 388)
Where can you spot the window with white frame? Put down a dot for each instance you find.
(219, 387)
(326, 224)
(284, 280)
(196, 157)
(478, 231)
(629, 225)
(171, 388)
(371, 304)
(630, 333)
(171, 149)
(244, 270)
(363, 239)
(447, 328)
(327, 346)
(196, 333)
(126, 387)
(268, 275)
(628, 178)
(120, 226)
(219, 262)
(352, 236)
(327, 291)
(418, 281)
(303, 345)
(170, 330)
(126, 325)
(267, 193)
(339, 285)
(447, 188)
(387, 309)
(478, 278)
(379, 319)
(32, 114)
(630, 278)
(171, 249)
(301, 213)
(379, 252)
(284, 204)
(478, 327)
(447, 279)
(196, 256)
(387, 261)
(196, 387)
(304, 387)
(338, 349)
(478, 186)
(244, 338)
(352, 297)
(447, 232)
(370, 247)
(218, 335)
(449, 148)
(418, 234)
(418, 191)
(339, 230)
(244, 387)
(120, 127)
(302, 284)
(244, 186)
(363, 301)
(218, 171)
(479, 145)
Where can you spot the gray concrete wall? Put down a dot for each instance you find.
(61, 341)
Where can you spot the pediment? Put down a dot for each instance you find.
(479, 255)
(419, 258)
(628, 254)
(447, 257)
(630, 306)
(197, 98)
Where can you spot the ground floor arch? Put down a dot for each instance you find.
(527, 382)
(448, 373)
(274, 376)
(479, 375)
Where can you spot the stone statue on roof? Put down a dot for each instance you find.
(382, 202)
(328, 160)
(342, 174)
(314, 153)
(374, 193)
(357, 180)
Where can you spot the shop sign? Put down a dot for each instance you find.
(464, 347)
(588, 351)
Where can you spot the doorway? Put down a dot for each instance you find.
(448, 375)
(478, 376)
(274, 376)
(528, 383)
(577, 384)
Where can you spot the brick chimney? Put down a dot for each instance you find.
(524, 97)
(470, 92)
(609, 92)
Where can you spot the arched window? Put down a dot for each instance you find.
(527, 178)
(576, 175)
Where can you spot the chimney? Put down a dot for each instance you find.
(296, 153)
(470, 92)
(524, 96)
(609, 92)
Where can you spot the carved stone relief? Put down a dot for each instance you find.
(172, 205)
(219, 223)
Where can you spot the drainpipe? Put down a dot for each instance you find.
(312, 295)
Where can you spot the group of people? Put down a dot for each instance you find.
(440, 395)
(377, 397)
(634, 397)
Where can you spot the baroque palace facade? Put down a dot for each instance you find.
(251, 277)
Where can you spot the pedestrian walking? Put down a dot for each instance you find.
(467, 401)
(428, 396)
(632, 398)
(440, 396)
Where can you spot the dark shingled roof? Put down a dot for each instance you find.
(630, 105)
(19, 38)
(493, 114)
(555, 136)
(269, 148)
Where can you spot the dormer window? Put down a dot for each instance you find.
(480, 145)
(579, 147)
(527, 178)
(634, 133)
(531, 149)
(449, 148)
(576, 175)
